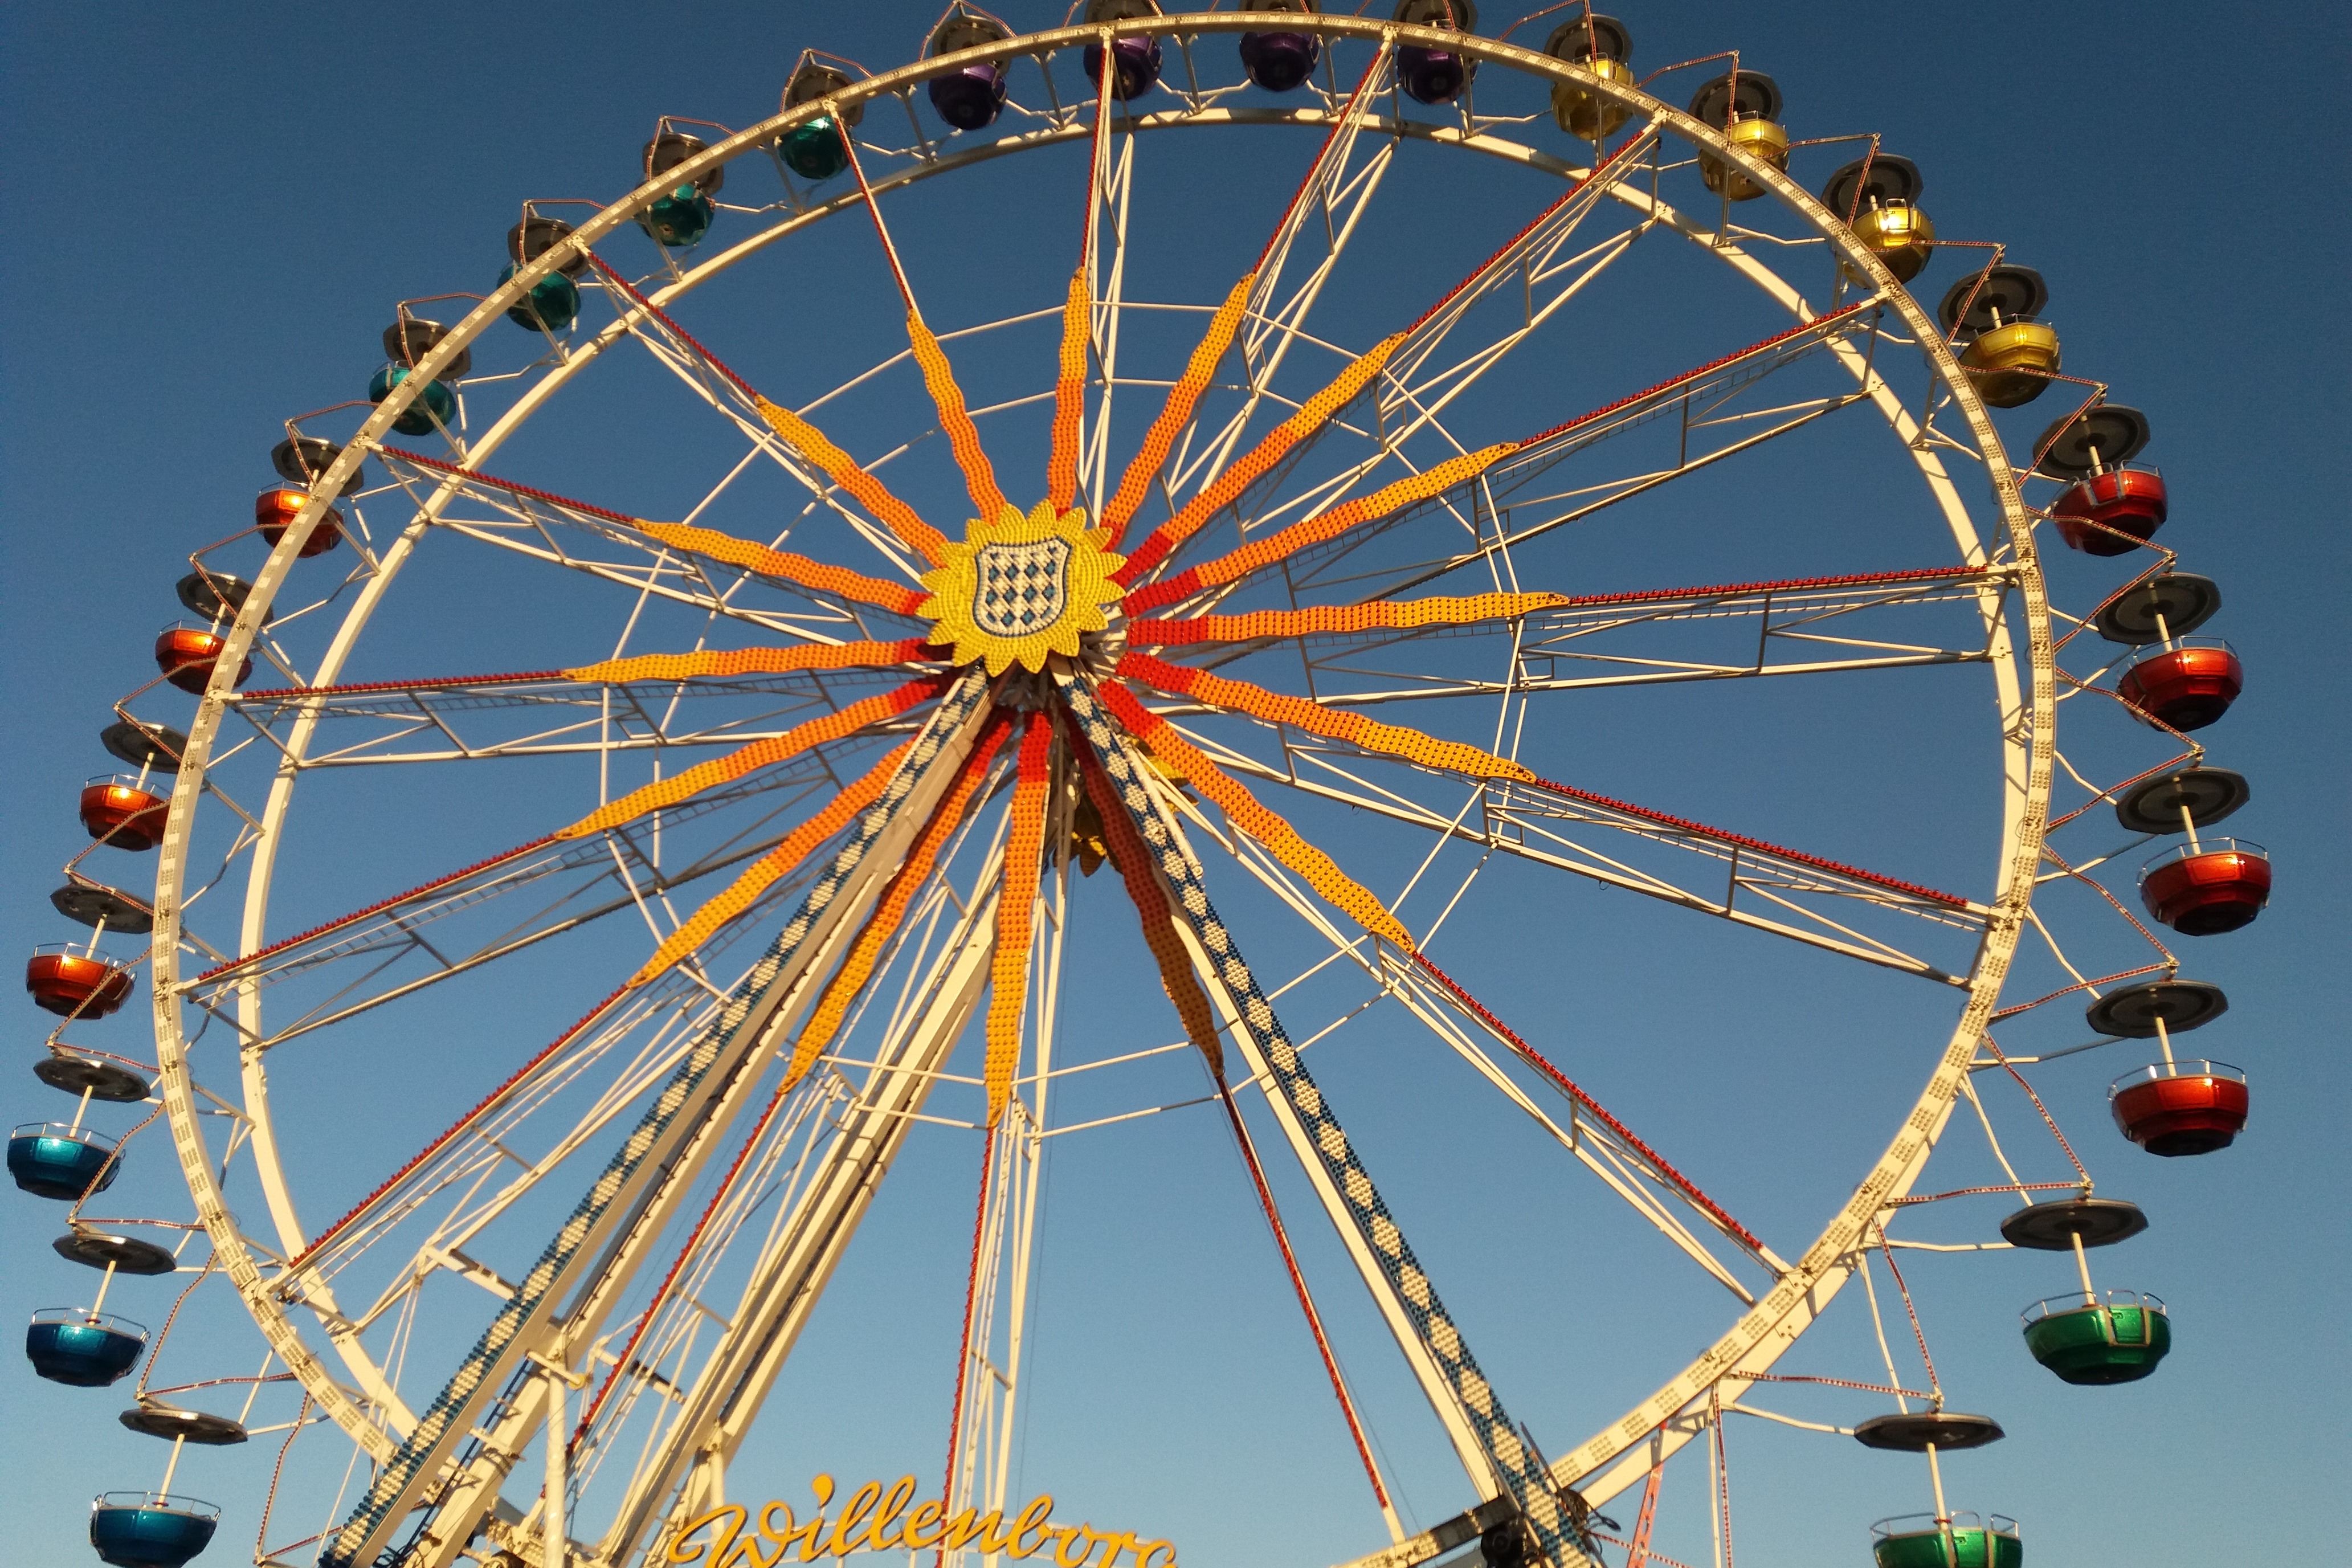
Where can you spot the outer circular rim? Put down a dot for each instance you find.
(1753, 1345)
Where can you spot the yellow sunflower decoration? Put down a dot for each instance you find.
(1019, 588)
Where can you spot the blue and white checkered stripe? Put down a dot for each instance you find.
(492, 1360)
(1521, 1469)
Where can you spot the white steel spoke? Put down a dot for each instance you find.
(441, 720)
(558, 532)
(801, 1251)
(1628, 1172)
(1550, 824)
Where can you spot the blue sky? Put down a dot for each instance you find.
(217, 212)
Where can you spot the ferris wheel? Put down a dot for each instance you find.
(651, 883)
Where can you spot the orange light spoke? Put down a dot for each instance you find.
(897, 597)
(1009, 969)
(870, 492)
(955, 420)
(938, 376)
(776, 863)
(1241, 697)
(895, 514)
(758, 754)
(1070, 395)
(1243, 811)
(1338, 520)
(756, 661)
(708, 541)
(883, 923)
(1159, 922)
(1384, 614)
(1183, 398)
(1227, 488)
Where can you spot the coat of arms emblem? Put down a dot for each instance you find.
(1022, 589)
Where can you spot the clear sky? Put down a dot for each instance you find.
(216, 210)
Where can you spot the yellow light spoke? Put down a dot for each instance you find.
(870, 492)
(1070, 395)
(758, 661)
(1243, 810)
(758, 754)
(859, 966)
(1151, 910)
(1381, 614)
(1176, 412)
(776, 863)
(1009, 969)
(955, 420)
(839, 581)
(1227, 486)
(1338, 520)
(1339, 724)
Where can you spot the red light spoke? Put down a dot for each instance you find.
(1820, 326)
(487, 1104)
(340, 922)
(423, 683)
(1701, 830)
(475, 476)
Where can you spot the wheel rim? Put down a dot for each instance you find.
(1603, 1464)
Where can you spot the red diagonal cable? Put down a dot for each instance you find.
(685, 1254)
(970, 1292)
(380, 904)
(1818, 324)
(455, 1128)
(477, 477)
(1299, 1284)
(1685, 823)
(424, 683)
(1561, 1080)
(658, 314)
(1917, 1332)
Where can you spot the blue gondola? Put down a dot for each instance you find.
(150, 1529)
(82, 1350)
(54, 1161)
(552, 305)
(436, 405)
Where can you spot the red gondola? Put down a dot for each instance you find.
(2204, 889)
(72, 984)
(2181, 1106)
(123, 812)
(2185, 684)
(2131, 502)
(274, 512)
(186, 656)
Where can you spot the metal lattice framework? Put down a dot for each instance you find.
(1319, 582)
